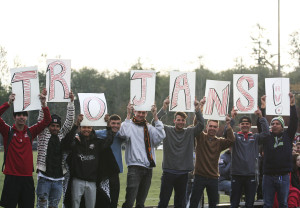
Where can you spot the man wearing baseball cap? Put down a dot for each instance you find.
(277, 149)
(244, 158)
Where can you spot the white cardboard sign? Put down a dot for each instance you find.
(142, 89)
(58, 80)
(245, 90)
(277, 96)
(25, 84)
(217, 95)
(93, 107)
(182, 91)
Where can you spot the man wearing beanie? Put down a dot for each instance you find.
(244, 159)
(50, 163)
(277, 149)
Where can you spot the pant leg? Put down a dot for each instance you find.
(27, 196)
(143, 187)
(268, 191)
(166, 188)
(212, 192)
(114, 186)
(55, 193)
(42, 192)
(11, 191)
(197, 190)
(133, 180)
(250, 190)
(180, 190)
(282, 187)
(77, 192)
(90, 194)
(236, 191)
(225, 186)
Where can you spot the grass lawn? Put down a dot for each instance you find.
(153, 196)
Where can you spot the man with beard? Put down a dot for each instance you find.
(50, 163)
(208, 149)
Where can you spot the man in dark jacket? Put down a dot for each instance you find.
(278, 158)
(85, 164)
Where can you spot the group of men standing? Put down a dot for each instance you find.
(94, 158)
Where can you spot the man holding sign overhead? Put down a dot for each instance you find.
(178, 154)
(141, 138)
(18, 188)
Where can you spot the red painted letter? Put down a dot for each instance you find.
(87, 110)
(143, 76)
(177, 88)
(249, 98)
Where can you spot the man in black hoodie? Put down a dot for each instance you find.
(85, 164)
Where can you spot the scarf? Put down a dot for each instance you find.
(146, 140)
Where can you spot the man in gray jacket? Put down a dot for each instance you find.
(244, 159)
(178, 154)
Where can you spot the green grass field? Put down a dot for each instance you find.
(153, 196)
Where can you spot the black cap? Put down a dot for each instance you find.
(24, 113)
(245, 119)
(55, 119)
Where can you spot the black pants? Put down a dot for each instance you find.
(114, 186)
(18, 190)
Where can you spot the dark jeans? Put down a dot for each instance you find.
(225, 186)
(168, 182)
(199, 185)
(114, 186)
(279, 184)
(18, 190)
(240, 183)
(138, 184)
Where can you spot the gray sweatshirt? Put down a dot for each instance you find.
(179, 145)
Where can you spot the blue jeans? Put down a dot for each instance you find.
(279, 184)
(225, 186)
(138, 184)
(168, 182)
(199, 185)
(48, 192)
(238, 183)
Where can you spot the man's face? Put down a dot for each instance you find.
(140, 115)
(115, 125)
(20, 119)
(276, 127)
(86, 130)
(179, 122)
(245, 127)
(298, 161)
(298, 148)
(54, 128)
(212, 128)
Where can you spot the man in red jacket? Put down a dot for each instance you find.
(18, 187)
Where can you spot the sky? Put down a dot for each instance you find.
(165, 34)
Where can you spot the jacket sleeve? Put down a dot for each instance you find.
(69, 119)
(67, 141)
(39, 127)
(161, 113)
(125, 129)
(264, 130)
(227, 142)
(293, 123)
(232, 123)
(4, 128)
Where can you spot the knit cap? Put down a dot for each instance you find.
(280, 119)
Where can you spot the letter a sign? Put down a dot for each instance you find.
(58, 80)
(182, 91)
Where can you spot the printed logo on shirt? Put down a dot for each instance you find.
(86, 157)
(92, 146)
(251, 138)
(278, 142)
(221, 161)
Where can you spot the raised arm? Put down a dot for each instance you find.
(293, 123)
(67, 141)
(263, 112)
(232, 122)
(70, 116)
(125, 129)
(227, 142)
(198, 128)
